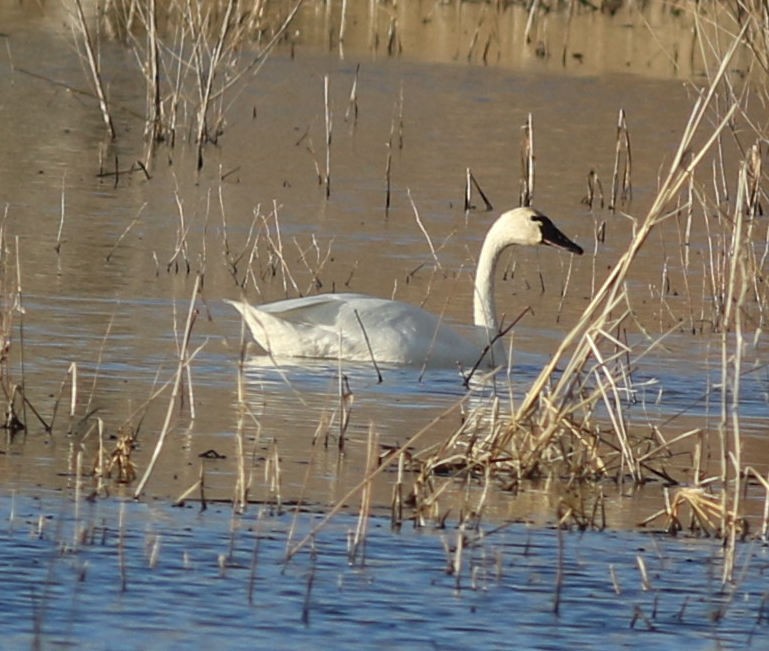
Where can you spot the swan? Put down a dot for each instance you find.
(357, 327)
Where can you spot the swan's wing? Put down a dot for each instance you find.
(322, 310)
(289, 332)
(301, 327)
(357, 327)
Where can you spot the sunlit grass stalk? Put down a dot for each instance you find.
(526, 195)
(396, 506)
(206, 75)
(357, 552)
(276, 245)
(240, 497)
(598, 309)
(423, 229)
(329, 128)
(93, 67)
(181, 248)
(99, 359)
(533, 9)
(731, 372)
(388, 172)
(178, 377)
(342, 27)
(13, 422)
(272, 477)
(319, 263)
(134, 221)
(352, 104)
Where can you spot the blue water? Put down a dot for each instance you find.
(193, 579)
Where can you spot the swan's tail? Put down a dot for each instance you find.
(260, 323)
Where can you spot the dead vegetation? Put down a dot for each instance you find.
(571, 427)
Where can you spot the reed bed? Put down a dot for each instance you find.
(571, 430)
(189, 54)
(571, 427)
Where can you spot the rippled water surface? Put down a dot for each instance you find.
(97, 278)
(146, 576)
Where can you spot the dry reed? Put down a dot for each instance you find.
(184, 359)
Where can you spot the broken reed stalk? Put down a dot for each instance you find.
(470, 183)
(594, 185)
(533, 8)
(19, 308)
(182, 363)
(622, 188)
(329, 124)
(352, 104)
(57, 248)
(396, 507)
(400, 117)
(93, 67)
(527, 163)
(388, 171)
(423, 229)
(277, 248)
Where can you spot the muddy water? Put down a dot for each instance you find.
(104, 313)
(107, 308)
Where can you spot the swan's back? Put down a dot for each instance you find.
(363, 328)
(332, 326)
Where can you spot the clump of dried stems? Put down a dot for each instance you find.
(191, 57)
(572, 424)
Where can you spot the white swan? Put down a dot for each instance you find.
(357, 327)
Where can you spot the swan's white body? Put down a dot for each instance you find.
(360, 328)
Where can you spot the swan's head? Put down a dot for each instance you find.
(528, 227)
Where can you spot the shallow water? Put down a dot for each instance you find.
(153, 577)
(108, 307)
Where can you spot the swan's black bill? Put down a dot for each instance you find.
(553, 237)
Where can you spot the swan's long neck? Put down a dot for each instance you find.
(484, 305)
